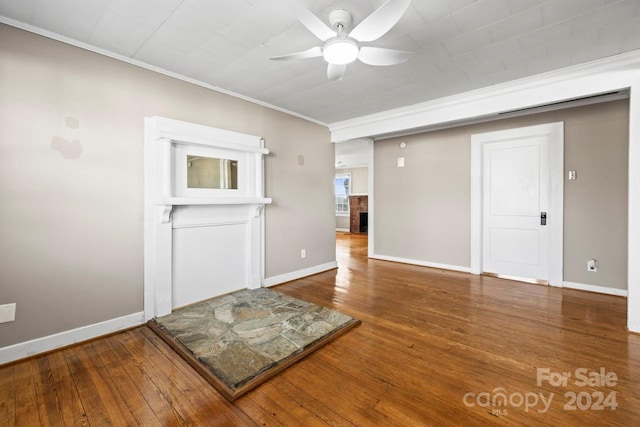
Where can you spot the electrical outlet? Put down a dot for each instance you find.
(592, 265)
(303, 253)
(7, 312)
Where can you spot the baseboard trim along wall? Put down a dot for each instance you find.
(298, 274)
(73, 336)
(633, 327)
(594, 288)
(568, 285)
(421, 263)
(344, 230)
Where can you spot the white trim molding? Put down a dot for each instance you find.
(594, 288)
(343, 230)
(633, 242)
(421, 263)
(371, 199)
(40, 345)
(298, 274)
(490, 103)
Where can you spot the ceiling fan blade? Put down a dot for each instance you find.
(311, 21)
(336, 72)
(380, 21)
(382, 56)
(309, 53)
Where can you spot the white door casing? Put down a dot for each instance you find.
(515, 175)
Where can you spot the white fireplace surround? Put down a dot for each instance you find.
(200, 243)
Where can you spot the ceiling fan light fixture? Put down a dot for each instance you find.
(341, 48)
(340, 51)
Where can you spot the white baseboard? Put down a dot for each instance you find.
(634, 327)
(594, 288)
(40, 345)
(344, 230)
(288, 277)
(422, 263)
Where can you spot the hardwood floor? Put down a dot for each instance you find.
(434, 348)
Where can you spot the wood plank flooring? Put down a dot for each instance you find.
(435, 348)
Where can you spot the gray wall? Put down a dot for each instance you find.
(299, 178)
(359, 179)
(422, 211)
(343, 223)
(359, 185)
(71, 181)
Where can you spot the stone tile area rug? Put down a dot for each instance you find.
(240, 340)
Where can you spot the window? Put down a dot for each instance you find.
(342, 189)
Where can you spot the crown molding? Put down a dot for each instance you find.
(595, 77)
(128, 60)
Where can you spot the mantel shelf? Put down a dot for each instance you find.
(180, 201)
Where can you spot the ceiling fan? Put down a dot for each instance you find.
(341, 48)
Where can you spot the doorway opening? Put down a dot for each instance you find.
(354, 159)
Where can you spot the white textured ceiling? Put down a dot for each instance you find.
(457, 45)
(352, 154)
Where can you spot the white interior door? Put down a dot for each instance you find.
(517, 174)
(516, 207)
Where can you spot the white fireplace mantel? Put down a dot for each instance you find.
(169, 203)
(200, 242)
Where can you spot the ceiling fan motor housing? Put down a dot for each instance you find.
(340, 17)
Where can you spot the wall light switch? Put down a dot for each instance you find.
(7, 312)
(573, 175)
(400, 162)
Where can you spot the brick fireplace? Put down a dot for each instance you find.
(358, 205)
